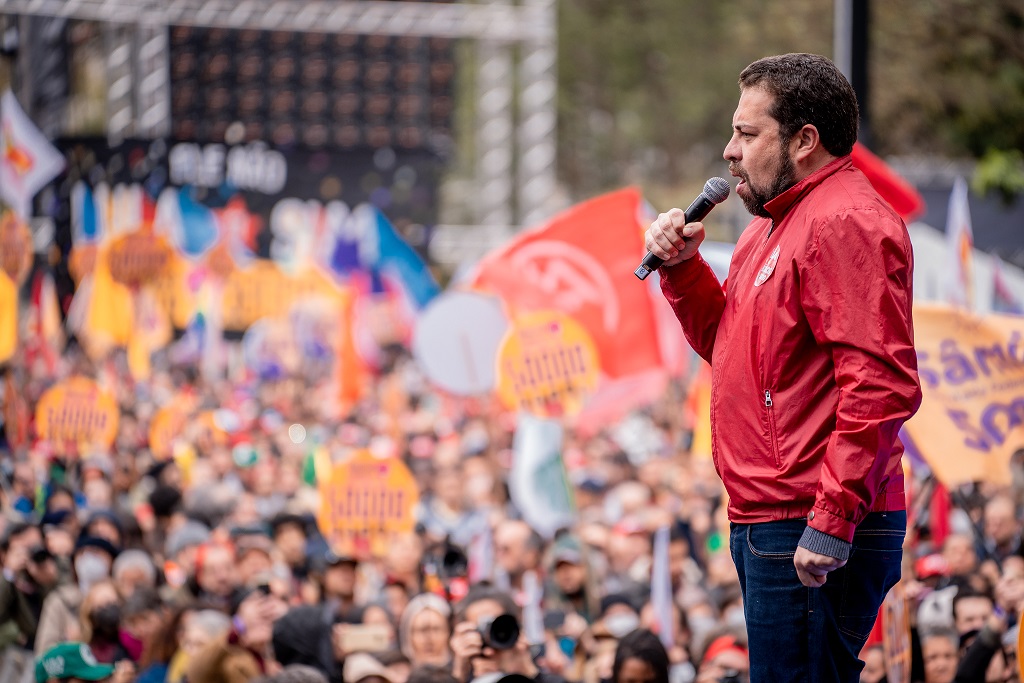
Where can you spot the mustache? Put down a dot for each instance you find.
(736, 170)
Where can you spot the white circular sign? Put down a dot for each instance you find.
(456, 341)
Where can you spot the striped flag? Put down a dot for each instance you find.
(960, 243)
(661, 588)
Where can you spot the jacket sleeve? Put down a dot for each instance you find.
(697, 299)
(856, 294)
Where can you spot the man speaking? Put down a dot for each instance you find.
(813, 370)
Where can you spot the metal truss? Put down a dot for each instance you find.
(492, 21)
(515, 160)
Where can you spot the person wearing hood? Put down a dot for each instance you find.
(425, 629)
(92, 563)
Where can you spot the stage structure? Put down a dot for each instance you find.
(515, 78)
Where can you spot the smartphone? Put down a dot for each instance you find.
(365, 638)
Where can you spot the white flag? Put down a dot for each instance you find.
(27, 159)
(661, 588)
(960, 244)
(537, 482)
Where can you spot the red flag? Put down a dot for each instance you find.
(900, 194)
(581, 262)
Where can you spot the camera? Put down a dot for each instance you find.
(499, 633)
(39, 555)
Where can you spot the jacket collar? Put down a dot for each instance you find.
(779, 206)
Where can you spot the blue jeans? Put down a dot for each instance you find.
(813, 635)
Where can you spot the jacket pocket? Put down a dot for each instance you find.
(773, 437)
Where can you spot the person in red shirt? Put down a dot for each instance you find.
(814, 371)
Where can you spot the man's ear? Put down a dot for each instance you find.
(805, 143)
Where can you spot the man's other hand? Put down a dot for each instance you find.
(813, 568)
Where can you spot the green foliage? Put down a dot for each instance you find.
(648, 87)
(1002, 172)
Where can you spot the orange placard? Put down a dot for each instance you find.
(164, 429)
(581, 262)
(896, 635)
(15, 247)
(77, 412)
(547, 365)
(265, 291)
(365, 501)
(138, 257)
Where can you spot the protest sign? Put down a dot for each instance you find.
(547, 365)
(972, 377)
(366, 500)
(77, 412)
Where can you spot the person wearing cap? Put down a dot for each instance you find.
(180, 554)
(74, 662)
(363, 668)
(569, 586)
(725, 656)
(104, 523)
(337, 579)
(290, 533)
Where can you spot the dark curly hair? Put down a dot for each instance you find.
(808, 89)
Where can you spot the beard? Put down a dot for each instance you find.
(757, 197)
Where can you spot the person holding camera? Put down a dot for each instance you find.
(487, 641)
(29, 574)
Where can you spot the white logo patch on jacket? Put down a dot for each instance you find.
(768, 268)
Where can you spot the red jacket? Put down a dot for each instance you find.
(811, 345)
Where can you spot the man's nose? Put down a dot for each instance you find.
(732, 150)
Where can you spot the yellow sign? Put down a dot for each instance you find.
(138, 257)
(77, 412)
(263, 291)
(972, 376)
(896, 635)
(366, 501)
(547, 364)
(15, 247)
(165, 429)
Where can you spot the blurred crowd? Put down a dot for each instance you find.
(209, 566)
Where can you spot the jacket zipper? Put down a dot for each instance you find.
(774, 445)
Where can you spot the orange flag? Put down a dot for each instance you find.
(581, 263)
(351, 370)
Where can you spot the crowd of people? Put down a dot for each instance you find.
(209, 566)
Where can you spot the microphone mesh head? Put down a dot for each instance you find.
(717, 189)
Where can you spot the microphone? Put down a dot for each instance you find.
(715, 192)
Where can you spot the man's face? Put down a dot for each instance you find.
(509, 548)
(971, 613)
(756, 153)
(17, 555)
(218, 572)
(940, 660)
(960, 555)
(1000, 523)
(570, 577)
(291, 541)
(340, 581)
